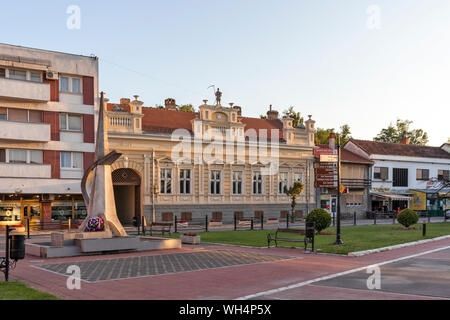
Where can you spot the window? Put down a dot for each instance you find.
(2, 73)
(400, 177)
(167, 216)
(35, 76)
(282, 182)
(422, 174)
(165, 181)
(298, 177)
(3, 113)
(70, 122)
(186, 216)
(19, 115)
(71, 160)
(443, 175)
(257, 183)
(381, 173)
(237, 182)
(185, 181)
(36, 157)
(35, 116)
(64, 84)
(239, 215)
(216, 178)
(69, 84)
(17, 156)
(2, 156)
(17, 74)
(217, 216)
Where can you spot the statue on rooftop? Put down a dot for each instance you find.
(218, 97)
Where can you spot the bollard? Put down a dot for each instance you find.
(354, 218)
(251, 224)
(7, 255)
(176, 225)
(334, 219)
(262, 222)
(28, 228)
(69, 220)
(206, 223)
(235, 223)
(143, 225)
(424, 230)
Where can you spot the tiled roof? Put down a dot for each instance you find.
(397, 149)
(158, 120)
(348, 156)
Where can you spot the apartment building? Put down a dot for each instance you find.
(406, 176)
(48, 106)
(210, 176)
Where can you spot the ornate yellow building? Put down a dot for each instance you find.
(212, 162)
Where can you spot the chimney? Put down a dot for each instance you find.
(405, 141)
(332, 141)
(125, 101)
(239, 110)
(272, 114)
(170, 104)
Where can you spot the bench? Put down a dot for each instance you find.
(308, 237)
(160, 227)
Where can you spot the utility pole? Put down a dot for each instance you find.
(338, 224)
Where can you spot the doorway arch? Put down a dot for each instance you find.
(127, 194)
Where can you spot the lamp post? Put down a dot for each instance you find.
(338, 222)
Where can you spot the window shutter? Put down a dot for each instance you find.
(88, 91)
(88, 128)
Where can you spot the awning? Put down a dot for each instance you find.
(392, 196)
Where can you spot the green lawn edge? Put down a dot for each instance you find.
(356, 238)
(16, 290)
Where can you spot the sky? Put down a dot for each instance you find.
(356, 62)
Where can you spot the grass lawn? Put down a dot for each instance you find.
(16, 290)
(356, 238)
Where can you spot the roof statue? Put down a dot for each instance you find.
(218, 97)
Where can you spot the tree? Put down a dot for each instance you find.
(322, 136)
(290, 113)
(293, 192)
(263, 117)
(186, 108)
(401, 130)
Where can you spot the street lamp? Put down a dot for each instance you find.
(338, 218)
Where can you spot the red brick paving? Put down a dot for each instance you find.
(223, 283)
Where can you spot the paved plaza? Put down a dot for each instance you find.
(210, 272)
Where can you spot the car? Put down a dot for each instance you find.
(447, 214)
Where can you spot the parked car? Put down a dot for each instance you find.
(447, 214)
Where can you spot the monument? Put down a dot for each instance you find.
(98, 193)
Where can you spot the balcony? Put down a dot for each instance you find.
(24, 90)
(356, 183)
(21, 131)
(10, 170)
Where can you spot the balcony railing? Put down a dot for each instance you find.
(24, 131)
(356, 183)
(12, 170)
(24, 90)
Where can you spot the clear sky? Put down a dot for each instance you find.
(317, 55)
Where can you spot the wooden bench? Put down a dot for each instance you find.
(277, 237)
(160, 227)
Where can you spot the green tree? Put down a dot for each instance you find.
(322, 136)
(298, 119)
(294, 192)
(263, 117)
(186, 108)
(401, 129)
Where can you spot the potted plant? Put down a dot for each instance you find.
(272, 221)
(190, 238)
(182, 223)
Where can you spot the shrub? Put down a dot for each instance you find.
(407, 218)
(321, 218)
(95, 224)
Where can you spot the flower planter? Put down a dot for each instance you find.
(215, 223)
(273, 221)
(190, 239)
(183, 224)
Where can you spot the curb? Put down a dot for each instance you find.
(398, 246)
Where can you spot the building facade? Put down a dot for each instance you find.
(213, 162)
(355, 177)
(48, 106)
(405, 176)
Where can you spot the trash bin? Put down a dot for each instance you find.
(17, 247)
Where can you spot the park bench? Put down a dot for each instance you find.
(160, 227)
(308, 236)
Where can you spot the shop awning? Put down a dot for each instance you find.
(392, 196)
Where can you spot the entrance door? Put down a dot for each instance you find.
(127, 194)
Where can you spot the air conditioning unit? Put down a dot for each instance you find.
(51, 75)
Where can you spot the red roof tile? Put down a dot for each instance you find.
(397, 149)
